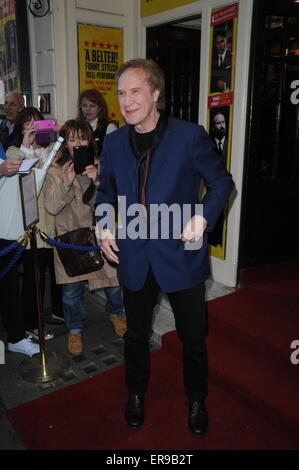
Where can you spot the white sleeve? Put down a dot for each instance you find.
(26, 152)
(110, 128)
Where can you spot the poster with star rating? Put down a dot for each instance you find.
(100, 55)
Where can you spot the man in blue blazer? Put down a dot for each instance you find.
(158, 161)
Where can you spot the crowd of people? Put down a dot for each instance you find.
(58, 212)
(152, 159)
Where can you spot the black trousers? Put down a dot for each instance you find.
(45, 260)
(189, 308)
(10, 298)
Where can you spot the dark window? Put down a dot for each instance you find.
(271, 178)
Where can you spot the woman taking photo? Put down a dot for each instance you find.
(23, 145)
(70, 198)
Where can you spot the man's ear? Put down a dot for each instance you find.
(156, 95)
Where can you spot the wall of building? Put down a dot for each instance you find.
(42, 56)
(55, 70)
(53, 45)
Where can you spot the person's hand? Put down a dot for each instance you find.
(10, 167)
(221, 85)
(92, 172)
(68, 174)
(108, 245)
(29, 132)
(58, 126)
(194, 229)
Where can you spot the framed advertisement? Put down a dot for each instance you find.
(28, 199)
(100, 55)
(44, 103)
(223, 47)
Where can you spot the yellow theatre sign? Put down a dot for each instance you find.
(100, 54)
(151, 7)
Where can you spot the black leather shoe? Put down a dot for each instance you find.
(198, 418)
(134, 412)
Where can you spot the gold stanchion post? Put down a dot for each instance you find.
(42, 367)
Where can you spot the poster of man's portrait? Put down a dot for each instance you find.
(223, 48)
(221, 65)
(219, 126)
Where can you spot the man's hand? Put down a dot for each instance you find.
(221, 85)
(194, 229)
(10, 167)
(108, 245)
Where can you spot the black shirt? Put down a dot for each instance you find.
(144, 141)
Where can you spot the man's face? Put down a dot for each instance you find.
(219, 126)
(220, 43)
(137, 101)
(13, 102)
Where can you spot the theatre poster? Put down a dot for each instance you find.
(223, 35)
(100, 54)
(9, 58)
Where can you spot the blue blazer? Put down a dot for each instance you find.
(2, 152)
(185, 154)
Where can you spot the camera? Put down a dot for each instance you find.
(46, 132)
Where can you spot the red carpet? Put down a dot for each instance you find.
(253, 388)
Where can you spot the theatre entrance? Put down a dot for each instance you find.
(176, 48)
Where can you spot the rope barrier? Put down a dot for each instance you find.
(13, 261)
(20, 245)
(9, 248)
(68, 246)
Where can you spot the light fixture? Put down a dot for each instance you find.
(39, 7)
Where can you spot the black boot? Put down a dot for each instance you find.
(198, 418)
(134, 412)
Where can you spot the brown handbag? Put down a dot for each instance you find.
(78, 262)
